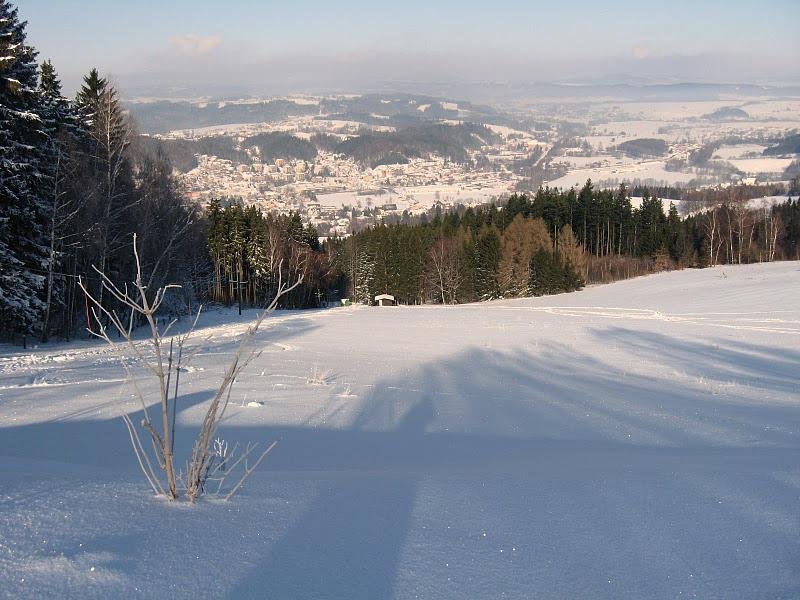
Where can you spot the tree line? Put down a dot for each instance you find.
(458, 258)
(447, 259)
(550, 242)
(75, 186)
(252, 252)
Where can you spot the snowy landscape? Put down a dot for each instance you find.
(368, 301)
(637, 440)
(534, 142)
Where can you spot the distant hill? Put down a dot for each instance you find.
(372, 148)
(161, 117)
(394, 110)
(727, 113)
(281, 145)
(788, 145)
(644, 147)
(183, 153)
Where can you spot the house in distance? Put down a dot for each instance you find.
(385, 300)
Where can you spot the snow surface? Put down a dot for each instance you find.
(418, 198)
(642, 170)
(728, 152)
(634, 440)
(762, 165)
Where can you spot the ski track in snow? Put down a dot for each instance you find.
(633, 440)
(728, 320)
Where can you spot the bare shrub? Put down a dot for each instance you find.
(165, 357)
(319, 376)
(605, 269)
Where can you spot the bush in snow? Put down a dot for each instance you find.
(211, 461)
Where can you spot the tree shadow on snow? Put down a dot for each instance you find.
(348, 542)
(719, 360)
(553, 419)
(73, 438)
(556, 416)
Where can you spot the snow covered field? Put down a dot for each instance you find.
(642, 170)
(634, 440)
(762, 165)
(417, 199)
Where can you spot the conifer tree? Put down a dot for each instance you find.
(582, 213)
(359, 267)
(546, 274)
(552, 274)
(24, 255)
(572, 279)
(674, 235)
(487, 263)
(89, 97)
(112, 196)
(651, 230)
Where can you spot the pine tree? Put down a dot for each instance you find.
(582, 214)
(488, 251)
(546, 276)
(49, 83)
(651, 226)
(24, 254)
(89, 97)
(359, 266)
(216, 245)
(674, 234)
(572, 279)
(623, 218)
(551, 273)
(112, 172)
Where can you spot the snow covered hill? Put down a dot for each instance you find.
(634, 440)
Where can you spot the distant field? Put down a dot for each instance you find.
(416, 198)
(644, 170)
(762, 165)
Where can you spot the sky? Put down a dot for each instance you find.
(152, 46)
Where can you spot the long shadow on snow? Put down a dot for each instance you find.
(348, 542)
(494, 405)
(559, 415)
(105, 442)
(719, 360)
(485, 413)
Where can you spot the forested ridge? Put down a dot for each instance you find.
(77, 183)
(368, 148)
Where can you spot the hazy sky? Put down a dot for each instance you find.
(264, 45)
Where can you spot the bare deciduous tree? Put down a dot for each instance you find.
(711, 229)
(773, 226)
(63, 209)
(444, 273)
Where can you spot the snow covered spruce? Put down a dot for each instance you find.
(213, 468)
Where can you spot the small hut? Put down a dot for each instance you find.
(384, 300)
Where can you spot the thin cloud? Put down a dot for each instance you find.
(195, 45)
